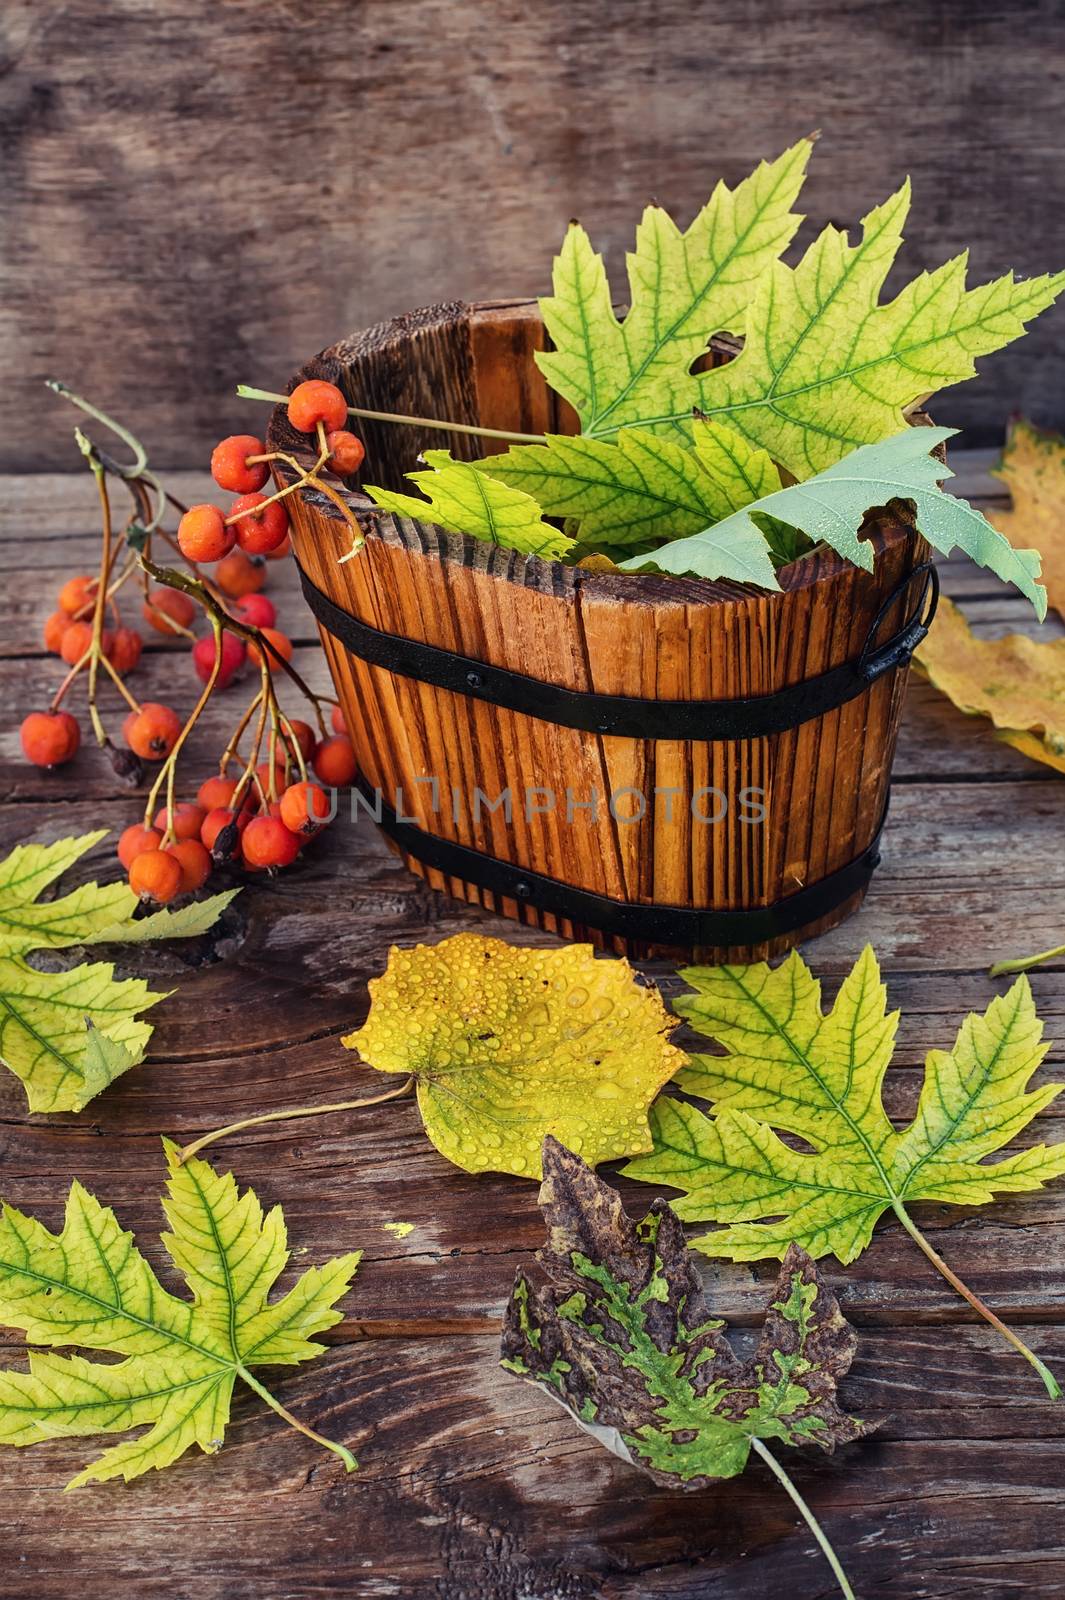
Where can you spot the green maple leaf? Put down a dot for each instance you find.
(619, 1331)
(645, 488)
(790, 1069)
(89, 1286)
(46, 1030)
(467, 501)
(684, 286)
(833, 506)
(67, 1035)
(825, 368)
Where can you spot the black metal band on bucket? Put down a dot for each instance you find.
(685, 926)
(628, 717)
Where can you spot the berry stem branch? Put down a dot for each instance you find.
(310, 476)
(140, 455)
(197, 1145)
(169, 766)
(198, 590)
(293, 744)
(96, 648)
(249, 774)
(247, 392)
(79, 666)
(1053, 1388)
(245, 717)
(134, 705)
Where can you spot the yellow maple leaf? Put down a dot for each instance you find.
(1019, 683)
(507, 1044)
(1032, 467)
(1015, 681)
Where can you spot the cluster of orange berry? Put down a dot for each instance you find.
(257, 523)
(263, 817)
(262, 821)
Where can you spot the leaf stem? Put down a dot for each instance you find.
(1053, 1388)
(1025, 963)
(294, 1422)
(246, 392)
(197, 1145)
(808, 1517)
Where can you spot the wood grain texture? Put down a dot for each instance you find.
(197, 195)
(474, 1486)
(734, 824)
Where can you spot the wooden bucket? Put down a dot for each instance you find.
(637, 819)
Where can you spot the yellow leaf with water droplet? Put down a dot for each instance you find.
(508, 1044)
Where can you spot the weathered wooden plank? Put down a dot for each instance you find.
(39, 507)
(260, 1008)
(342, 1178)
(474, 1486)
(162, 289)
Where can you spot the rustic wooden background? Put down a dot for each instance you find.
(196, 194)
(474, 1486)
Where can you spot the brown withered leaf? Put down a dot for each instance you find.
(1017, 682)
(1032, 467)
(619, 1331)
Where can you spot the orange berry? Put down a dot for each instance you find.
(215, 821)
(232, 653)
(266, 842)
(77, 639)
(230, 468)
(316, 401)
(254, 609)
(155, 875)
(282, 646)
(305, 808)
(303, 735)
(152, 732)
(135, 840)
(173, 604)
(125, 651)
(49, 738)
(54, 629)
(77, 595)
(238, 574)
(262, 772)
(334, 762)
(336, 717)
(215, 792)
(263, 523)
(283, 549)
(194, 861)
(186, 821)
(203, 536)
(346, 452)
